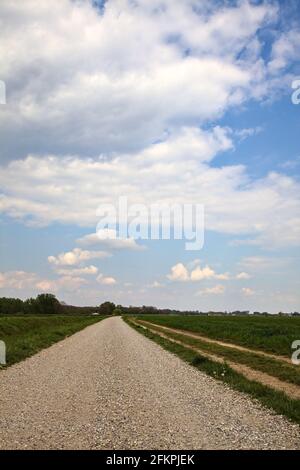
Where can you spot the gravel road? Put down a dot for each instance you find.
(108, 387)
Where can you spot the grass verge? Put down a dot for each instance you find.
(277, 401)
(25, 336)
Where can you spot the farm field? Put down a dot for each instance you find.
(26, 335)
(209, 344)
(271, 334)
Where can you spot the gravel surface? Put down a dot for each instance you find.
(108, 387)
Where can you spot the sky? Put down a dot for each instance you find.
(161, 102)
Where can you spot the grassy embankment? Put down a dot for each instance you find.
(26, 335)
(269, 397)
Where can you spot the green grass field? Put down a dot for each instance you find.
(281, 370)
(269, 397)
(270, 334)
(26, 335)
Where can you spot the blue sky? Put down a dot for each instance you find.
(101, 103)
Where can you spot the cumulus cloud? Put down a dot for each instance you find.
(106, 281)
(113, 100)
(21, 280)
(110, 240)
(75, 257)
(117, 91)
(17, 280)
(199, 274)
(242, 276)
(45, 190)
(68, 283)
(46, 286)
(179, 272)
(70, 278)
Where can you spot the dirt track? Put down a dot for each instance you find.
(108, 387)
(291, 390)
(206, 339)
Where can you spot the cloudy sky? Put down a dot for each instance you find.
(161, 101)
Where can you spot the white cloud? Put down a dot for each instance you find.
(22, 281)
(247, 291)
(243, 275)
(109, 239)
(46, 286)
(17, 280)
(45, 190)
(75, 257)
(87, 271)
(248, 132)
(117, 92)
(155, 285)
(194, 263)
(198, 274)
(107, 281)
(115, 97)
(179, 272)
(216, 290)
(65, 283)
(284, 50)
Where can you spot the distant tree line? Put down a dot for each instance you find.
(149, 310)
(48, 304)
(42, 304)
